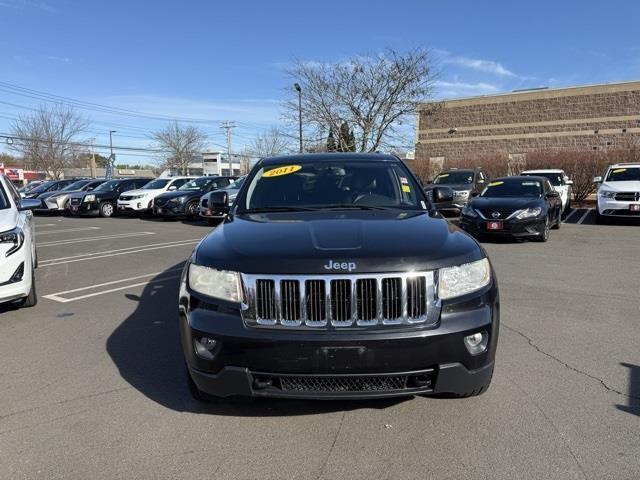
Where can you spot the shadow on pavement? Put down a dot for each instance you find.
(146, 349)
(633, 394)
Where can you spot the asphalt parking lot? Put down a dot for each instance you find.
(93, 384)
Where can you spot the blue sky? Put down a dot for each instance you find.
(226, 60)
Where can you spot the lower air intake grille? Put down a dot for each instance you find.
(343, 384)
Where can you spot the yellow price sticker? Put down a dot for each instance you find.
(286, 170)
(619, 170)
(495, 184)
(406, 188)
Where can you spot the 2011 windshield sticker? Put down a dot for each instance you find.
(619, 170)
(495, 184)
(284, 170)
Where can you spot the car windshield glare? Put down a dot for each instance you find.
(624, 174)
(554, 178)
(513, 188)
(75, 185)
(454, 178)
(198, 184)
(107, 186)
(335, 184)
(156, 184)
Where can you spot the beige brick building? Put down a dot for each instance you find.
(596, 117)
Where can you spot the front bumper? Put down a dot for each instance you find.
(263, 362)
(137, 205)
(608, 207)
(85, 208)
(169, 210)
(529, 228)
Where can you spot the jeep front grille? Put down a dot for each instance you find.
(337, 301)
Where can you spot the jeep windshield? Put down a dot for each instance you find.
(454, 178)
(331, 185)
(627, 174)
(513, 188)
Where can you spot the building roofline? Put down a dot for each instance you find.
(540, 92)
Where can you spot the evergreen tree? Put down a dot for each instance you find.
(343, 138)
(331, 142)
(352, 141)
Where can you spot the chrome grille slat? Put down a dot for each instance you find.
(340, 301)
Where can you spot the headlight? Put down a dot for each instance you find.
(136, 197)
(89, 198)
(607, 194)
(467, 278)
(221, 284)
(14, 237)
(468, 212)
(528, 213)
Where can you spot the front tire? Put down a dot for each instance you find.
(31, 300)
(556, 226)
(544, 232)
(192, 210)
(107, 209)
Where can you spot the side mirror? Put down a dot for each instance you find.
(597, 179)
(552, 194)
(568, 182)
(29, 204)
(442, 194)
(219, 201)
(171, 188)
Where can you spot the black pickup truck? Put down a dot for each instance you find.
(332, 276)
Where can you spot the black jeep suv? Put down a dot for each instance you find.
(331, 277)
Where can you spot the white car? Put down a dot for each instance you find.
(619, 192)
(17, 246)
(141, 200)
(559, 181)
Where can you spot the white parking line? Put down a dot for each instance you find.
(94, 239)
(40, 225)
(573, 210)
(58, 296)
(112, 253)
(79, 229)
(585, 215)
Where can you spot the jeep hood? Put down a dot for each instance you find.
(303, 243)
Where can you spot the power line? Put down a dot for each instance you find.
(40, 95)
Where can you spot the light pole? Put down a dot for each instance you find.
(109, 172)
(299, 90)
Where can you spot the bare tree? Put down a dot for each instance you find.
(269, 143)
(49, 139)
(180, 143)
(373, 95)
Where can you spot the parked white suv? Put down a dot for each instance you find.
(141, 200)
(559, 181)
(619, 192)
(17, 246)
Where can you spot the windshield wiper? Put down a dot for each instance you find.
(352, 206)
(281, 209)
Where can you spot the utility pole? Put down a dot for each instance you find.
(112, 158)
(228, 126)
(92, 164)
